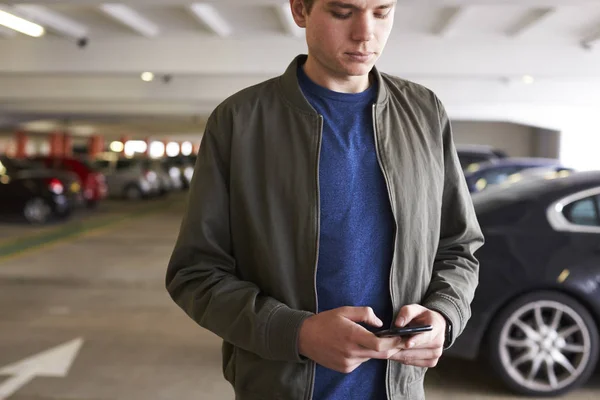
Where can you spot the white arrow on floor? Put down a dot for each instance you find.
(54, 363)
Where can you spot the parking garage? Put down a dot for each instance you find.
(104, 107)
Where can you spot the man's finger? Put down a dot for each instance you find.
(361, 314)
(421, 340)
(408, 313)
(369, 341)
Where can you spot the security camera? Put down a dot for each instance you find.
(167, 78)
(83, 42)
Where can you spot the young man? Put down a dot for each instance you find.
(328, 203)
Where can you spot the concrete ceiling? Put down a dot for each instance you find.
(473, 53)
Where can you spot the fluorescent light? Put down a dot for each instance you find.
(186, 148)
(211, 17)
(116, 146)
(131, 18)
(157, 149)
(21, 25)
(172, 149)
(147, 76)
(528, 79)
(52, 20)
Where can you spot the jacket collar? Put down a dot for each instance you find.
(292, 91)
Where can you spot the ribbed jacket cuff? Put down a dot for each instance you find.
(450, 311)
(282, 333)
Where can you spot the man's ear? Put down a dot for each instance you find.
(299, 12)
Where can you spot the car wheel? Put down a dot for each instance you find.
(132, 192)
(543, 344)
(37, 211)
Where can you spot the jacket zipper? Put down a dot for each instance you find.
(318, 230)
(387, 185)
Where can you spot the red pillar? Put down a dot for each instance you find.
(67, 145)
(95, 145)
(56, 144)
(21, 144)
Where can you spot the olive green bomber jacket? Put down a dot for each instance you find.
(244, 264)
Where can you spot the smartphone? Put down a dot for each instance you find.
(406, 331)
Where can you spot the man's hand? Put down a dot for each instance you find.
(335, 340)
(423, 349)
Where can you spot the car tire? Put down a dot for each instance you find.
(132, 192)
(37, 211)
(543, 344)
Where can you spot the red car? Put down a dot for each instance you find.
(93, 182)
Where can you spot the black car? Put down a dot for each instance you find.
(475, 154)
(481, 176)
(536, 311)
(36, 193)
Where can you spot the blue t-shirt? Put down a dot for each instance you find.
(357, 229)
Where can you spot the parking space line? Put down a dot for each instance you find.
(72, 232)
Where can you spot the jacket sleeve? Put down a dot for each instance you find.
(201, 275)
(455, 270)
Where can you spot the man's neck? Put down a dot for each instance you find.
(320, 75)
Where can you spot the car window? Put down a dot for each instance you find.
(101, 164)
(583, 212)
(468, 159)
(124, 164)
(499, 175)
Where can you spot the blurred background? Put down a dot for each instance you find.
(102, 112)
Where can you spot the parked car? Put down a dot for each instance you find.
(127, 178)
(476, 154)
(173, 172)
(481, 176)
(37, 193)
(165, 182)
(552, 172)
(536, 311)
(93, 182)
(186, 168)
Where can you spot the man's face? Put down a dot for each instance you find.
(346, 37)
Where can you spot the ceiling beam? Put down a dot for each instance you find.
(449, 20)
(131, 19)
(53, 20)
(532, 18)
(5, 32)
(285, 15)
(209, 16)
(592, 40)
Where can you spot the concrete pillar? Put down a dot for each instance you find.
(67, 144)
(95, 145)
(56, 144)
(124, 139)
(21, 144)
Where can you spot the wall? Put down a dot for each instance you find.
(516, 140)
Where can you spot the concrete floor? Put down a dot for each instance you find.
(106, 287)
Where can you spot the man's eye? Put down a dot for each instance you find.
(341, 16)
(382, 16)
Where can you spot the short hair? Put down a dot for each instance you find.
(308, 4)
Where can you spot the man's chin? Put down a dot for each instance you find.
(358, 70)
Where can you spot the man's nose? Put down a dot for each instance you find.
(363, 28)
